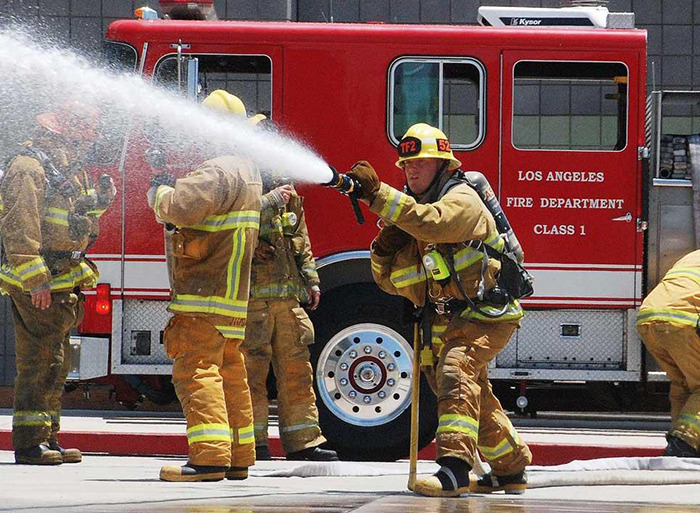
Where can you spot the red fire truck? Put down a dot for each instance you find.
(550, 106)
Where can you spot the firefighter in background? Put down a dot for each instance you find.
(188, 9)
(669, 324)
(216, 212)
(279, 330)
(49, 217)
(426, 226)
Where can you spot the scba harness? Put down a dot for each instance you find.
(513, 281)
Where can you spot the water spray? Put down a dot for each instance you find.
(349, 187)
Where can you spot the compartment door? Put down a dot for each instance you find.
(570, 175)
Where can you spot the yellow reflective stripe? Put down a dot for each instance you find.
(690, 420)
(7, 276)
(97, 212)
(684, 272)
(376, 267)
(32, 268)
(160, 192)
(467, 257)
(492, 453)
(437, 332)
(231, 331)
(31, 418)
(208, 433)
(209, 304)
(233, 280)
(394, 205)
(407, 276)
(246, 435)
(229, 221)
(57, 216)
(453, 423)
(667, 315)
(82, 274)
(298, 427)
(512, 313)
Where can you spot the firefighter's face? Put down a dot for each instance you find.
(420, 173)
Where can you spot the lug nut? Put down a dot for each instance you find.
(390, 382)
(368, 349)
(382, 354)
(391, 367)
(352, 394)
(367, 399)
(344, 382)
(343, 366)
(353, 354)
(382, 394)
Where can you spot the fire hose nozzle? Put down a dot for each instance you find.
(349, 187)
(341, 182)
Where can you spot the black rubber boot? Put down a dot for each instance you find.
(680, 448)
(237, 473)
(190, 472)
(38, 455)
(452, 480)
(262, 453)
(313, 454)
(513, 483)
(68, 455)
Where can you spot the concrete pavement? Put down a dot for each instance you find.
(131, 484)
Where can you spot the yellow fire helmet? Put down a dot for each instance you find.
(225, 102)
(258, 118)
(422, 141)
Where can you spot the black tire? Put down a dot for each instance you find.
(385, 439)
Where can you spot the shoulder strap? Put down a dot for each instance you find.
(456, 179)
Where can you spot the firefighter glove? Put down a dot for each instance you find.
(365, 175)
(390, 240)
(84, 204)
(79, 226)
(106, 191)
(163, 178)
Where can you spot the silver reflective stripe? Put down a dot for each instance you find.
(448, 472)
(298, 427)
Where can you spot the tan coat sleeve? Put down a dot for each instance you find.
(199, 195)
(22, 192)
(300, 240)
(456, 217)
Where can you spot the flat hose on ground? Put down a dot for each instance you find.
(600, 472)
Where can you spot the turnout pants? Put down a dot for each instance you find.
(677, 351)
(210, 381)
(42, 347)
(470, 416)
(279, 332)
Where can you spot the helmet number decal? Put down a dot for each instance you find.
(409, 146)
(443, 145)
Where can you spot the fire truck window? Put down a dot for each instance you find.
(247, 76)
(570, 105)
(119, 56)
(445, 93)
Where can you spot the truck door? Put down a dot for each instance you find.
(570, 175)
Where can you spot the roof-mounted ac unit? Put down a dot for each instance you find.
(582, 17)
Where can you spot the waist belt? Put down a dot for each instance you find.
(62, 255)
(449, 307)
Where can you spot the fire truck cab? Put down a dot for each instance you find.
(553, 116)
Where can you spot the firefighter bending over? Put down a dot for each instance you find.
(669, 324)
(216, 211)
(279, 330)
(48, 219)
(423, 255)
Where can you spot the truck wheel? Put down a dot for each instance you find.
(363, 375)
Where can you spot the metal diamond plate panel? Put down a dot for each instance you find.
(143, 323)
(568, 339)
